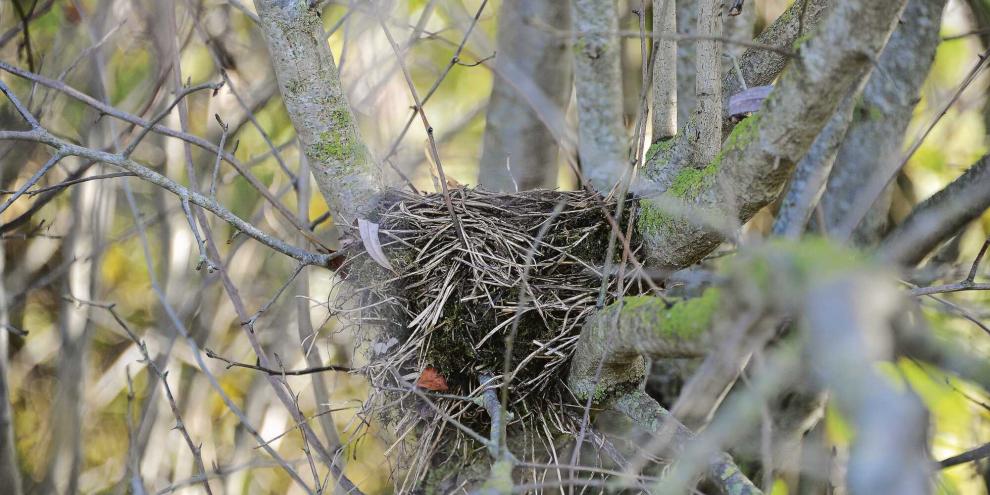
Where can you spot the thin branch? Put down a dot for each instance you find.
(55, 158)
(979, 453)
(165, 131)
(941, 289)
(435, 154)
(72, 182)
(278, 372)
(144, 173)
(162, 377)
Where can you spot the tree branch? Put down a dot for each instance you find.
(872, 145)
(940, 216)
(759, 155)
(519, 151)
(311, 90)
(41, 135)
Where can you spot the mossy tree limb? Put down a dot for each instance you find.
(776, 280)
(759, 155)
(625, 331)
(312, 94)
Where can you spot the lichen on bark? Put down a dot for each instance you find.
(310, 86)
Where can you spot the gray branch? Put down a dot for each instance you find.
(760, 154)
(940, 216)
(66, 148)
(849, 329)
(311, 90)
(873, 142)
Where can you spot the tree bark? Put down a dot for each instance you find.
(516, 138)
(311, 91)
(604, 145)
(872, 144)
(761, 152)
(664, 116)
(708, 82)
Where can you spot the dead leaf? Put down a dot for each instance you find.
(748, 101)
(431, 379)
(369, 237)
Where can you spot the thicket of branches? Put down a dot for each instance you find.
(237, 255)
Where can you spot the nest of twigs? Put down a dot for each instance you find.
(508, 275)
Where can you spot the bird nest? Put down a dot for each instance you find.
(499, 289)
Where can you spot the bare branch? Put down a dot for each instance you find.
(209, 204)
(940, 216)
(140, 122)
(278, 372)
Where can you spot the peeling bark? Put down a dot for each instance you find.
(761, 67)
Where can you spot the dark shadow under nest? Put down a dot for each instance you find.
(519, 274)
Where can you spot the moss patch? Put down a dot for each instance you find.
(744, 132)
(333, 146)
(685, 319)
(500, 480)
(662, 146)
(652, 219)
(688, 319)
(691, 181)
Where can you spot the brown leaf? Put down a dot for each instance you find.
(431, 379)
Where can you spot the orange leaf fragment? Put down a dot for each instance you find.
(431, 379)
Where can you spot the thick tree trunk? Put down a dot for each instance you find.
(516, 139)
(604, 145)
